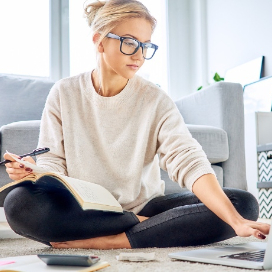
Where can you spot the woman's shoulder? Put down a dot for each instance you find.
(69, 86)
(66, 87)
(151, 89)
(72, 81)
(153, 92)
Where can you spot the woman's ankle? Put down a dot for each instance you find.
(142, 218)
(121, 241)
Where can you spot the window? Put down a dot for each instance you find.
(24, 47)
(82, 52)
(155, 69)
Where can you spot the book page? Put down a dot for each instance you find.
(91, 192)
(36, 169)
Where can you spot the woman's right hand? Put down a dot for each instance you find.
(16, 170)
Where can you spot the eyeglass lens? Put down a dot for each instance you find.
(129, 47)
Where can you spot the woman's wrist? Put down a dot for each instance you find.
(236, 222)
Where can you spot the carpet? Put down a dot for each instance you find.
(162, 263)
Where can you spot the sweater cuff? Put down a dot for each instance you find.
(192, 177)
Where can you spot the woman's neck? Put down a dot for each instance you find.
(110, 85)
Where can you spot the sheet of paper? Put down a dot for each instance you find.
(31, 263)
(6, 262)
(136, 257)
(95, 267)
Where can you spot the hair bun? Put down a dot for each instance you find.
(91, 10)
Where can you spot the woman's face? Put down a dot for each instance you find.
(114, 60)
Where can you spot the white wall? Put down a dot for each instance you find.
(187, 46)
(179, 48)
(238, 31)
(208, 36)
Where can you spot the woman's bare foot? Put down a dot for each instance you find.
(105, 242)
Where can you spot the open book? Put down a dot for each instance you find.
(90, 196)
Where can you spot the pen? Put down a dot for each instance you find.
(35, 152)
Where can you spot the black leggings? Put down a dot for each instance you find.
(175, 220)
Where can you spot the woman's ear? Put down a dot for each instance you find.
(99, 46)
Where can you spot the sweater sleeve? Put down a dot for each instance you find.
(51, 134)
(180, 154)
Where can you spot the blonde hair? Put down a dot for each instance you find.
(103, 16)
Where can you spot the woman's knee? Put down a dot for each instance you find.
(244, 202)
(22, 208)
(17, 202)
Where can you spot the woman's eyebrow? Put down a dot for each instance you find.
(135, 37)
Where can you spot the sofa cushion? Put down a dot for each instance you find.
(20, 137)
(214, 141)
(22, 98)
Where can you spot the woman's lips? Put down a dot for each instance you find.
(133, 66)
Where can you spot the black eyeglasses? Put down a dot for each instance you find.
(129, 46)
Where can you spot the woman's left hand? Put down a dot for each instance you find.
(208, 190)
(246, 228)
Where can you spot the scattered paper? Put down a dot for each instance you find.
(136, 257)
(95, 267)
(6, 262)
(5, 270)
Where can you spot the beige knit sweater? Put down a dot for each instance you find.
(113, 141)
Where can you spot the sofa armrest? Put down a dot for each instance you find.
(19, 137)
(221, 105)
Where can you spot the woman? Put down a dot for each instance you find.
(107, 127)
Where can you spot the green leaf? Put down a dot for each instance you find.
(217, 78)
(199, 88)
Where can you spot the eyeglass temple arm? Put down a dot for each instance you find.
(113, 36)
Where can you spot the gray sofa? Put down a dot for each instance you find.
(21, 104)
(213, 115)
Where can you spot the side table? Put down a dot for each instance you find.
(258, 131)
(264, 183)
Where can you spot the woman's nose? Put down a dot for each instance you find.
(138, 55)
